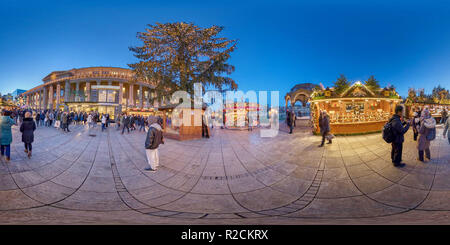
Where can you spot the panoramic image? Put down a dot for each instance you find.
(224, 113)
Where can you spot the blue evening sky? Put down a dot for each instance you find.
(280, 43)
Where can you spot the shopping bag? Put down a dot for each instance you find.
(330, 136)
(57, 124)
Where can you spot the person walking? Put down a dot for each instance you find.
(103, 122)
(324, 124)
(152, 142)
(89, 121)
(447, 128)
(444, 115)
(65, 122)
(290, 121)
(141, 123)
(37, 118)
(6, 135)
(399, 128)
(427, 124)
(415, 125)
(126, 123)
(27, 129)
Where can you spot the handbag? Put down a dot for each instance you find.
(330, 136)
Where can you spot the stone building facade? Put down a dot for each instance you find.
(105, 89)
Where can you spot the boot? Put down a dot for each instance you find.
(29, 154)
(428, 154)
(26, 151)
(420, 156)
(8, 159)
(329, 142)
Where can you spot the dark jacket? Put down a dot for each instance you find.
(398, 129)
(27, 129)
(154, 137)
(324, 124)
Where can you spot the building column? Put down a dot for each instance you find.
(88, 91)
(131, 97)
(50, 97)
(148, 97)
(45, 97)
(67, 91)
(77, 91)
(120, 93)
(141, 97)
(58, 94)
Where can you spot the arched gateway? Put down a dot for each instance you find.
(300, 92)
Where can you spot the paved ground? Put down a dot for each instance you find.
(235, 177)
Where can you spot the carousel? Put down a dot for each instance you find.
(357, 110)
(236, 115)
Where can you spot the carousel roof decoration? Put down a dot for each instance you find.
(358, 90)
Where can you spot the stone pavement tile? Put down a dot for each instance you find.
(436, 200)
(244, 184)
(378, 164)
(214, 169)
(7, 182)
(196, 203)
(333, 162)
(304, 173)
(138, 181)
(418, 180)
(178, 180)
(269, 176)
(72, 178)
(351, 207)
(53, 169)
(292, 186)
(442, 182)
(372, 183)
(393, 174)
(15, 199)
(99, 184)
(337, 189)
(352, 160)
(88, 200)
(335, 174)
(156, 195)
(160, 175)
(356, 171)
(211, 186)
(400, 196)
(27, 179)
(48, 192)
(268, 198)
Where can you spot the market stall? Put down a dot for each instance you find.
(176, 126)
(356, 110)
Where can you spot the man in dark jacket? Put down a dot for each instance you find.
(399, 129)
(324, 124)
(126, 123)
(152, 142)
(290, 120)
(27, 129)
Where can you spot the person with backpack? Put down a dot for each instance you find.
(27, 129)
(427, 133)
(152, 142)
(397, 129)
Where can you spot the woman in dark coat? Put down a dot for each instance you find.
(27, 128)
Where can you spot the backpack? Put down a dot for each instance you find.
(388, 133)
(432, 134)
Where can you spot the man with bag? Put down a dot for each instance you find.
(324, 124)
(399, 128)
(427, 133)
(152, 142)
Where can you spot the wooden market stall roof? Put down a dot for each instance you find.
(356, 90)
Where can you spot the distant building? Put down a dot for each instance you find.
(16, 93)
